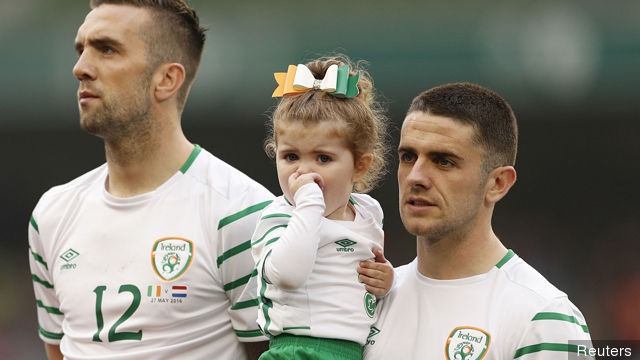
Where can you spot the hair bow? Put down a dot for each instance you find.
(299, 79)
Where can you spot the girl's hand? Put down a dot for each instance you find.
(296, 180)
(377, 276)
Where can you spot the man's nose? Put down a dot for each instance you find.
(420, 174)
(84, 69)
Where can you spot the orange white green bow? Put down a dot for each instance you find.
(299, 79)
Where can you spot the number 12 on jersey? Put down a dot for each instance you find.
(113, 335)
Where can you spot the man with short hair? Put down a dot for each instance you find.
(147, 256)
(465, 295)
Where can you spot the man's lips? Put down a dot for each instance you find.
(419, 202)
(86, 96)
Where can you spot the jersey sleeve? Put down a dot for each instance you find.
(236, 266)
(48, 308)
(379, 218)
(278, 238)
(375, 210)
(554, 333)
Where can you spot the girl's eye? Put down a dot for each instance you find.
(291, 157)
(324, 158)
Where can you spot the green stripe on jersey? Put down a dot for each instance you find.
(49, 309)
(266, 302)
(191, 159)
(248, 333)
(275, 216)
(50, 335)
(545, 347)
(272, 241)
(240, 214)
(267, 233)
(296, 328)
(39, 258)
(34, 224)
(245, 304)
(44, 283)
(234, 251)
(505, 259)
(243, 280)
(560, 317)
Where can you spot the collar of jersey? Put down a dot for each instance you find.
(453, 282)
(143, 198)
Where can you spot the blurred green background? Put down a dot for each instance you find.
(570, 70)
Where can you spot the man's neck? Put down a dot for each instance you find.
(473, 253)
(137, 166)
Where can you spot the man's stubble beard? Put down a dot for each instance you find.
(455, 225)
(122, 117)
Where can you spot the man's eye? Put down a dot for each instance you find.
(291, 157)
(407, 157)
(324, 158)
(108, 50)
(444, 162)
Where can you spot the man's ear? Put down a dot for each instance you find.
(362, 165)
(500, 180)
(167, 80)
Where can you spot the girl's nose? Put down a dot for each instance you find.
(304, 168)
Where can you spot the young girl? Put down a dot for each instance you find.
(327, 138)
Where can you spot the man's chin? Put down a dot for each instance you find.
(419, 226)
(416, 228)
(90, 126)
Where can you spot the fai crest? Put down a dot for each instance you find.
(370, 304)
(467, 343)
(171, 257)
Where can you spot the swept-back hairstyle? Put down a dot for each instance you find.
(173, 35)
(490, 115)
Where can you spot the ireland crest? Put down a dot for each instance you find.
(467, 343)
(370, 304)
(171, 257)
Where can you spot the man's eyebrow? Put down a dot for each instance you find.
(431, 154)
(98, 43)
(406, 149)
(444, 154)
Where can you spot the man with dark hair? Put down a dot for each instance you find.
(147, 256)
(465, 294)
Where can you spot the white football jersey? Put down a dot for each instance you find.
(510, 312)
(322, 256)
(154, 276)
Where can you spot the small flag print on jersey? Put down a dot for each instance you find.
(179, 291)
(154, 291)
(158, 291)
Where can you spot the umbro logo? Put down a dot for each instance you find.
(67, 256)
(346, 245)
(373, 332)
